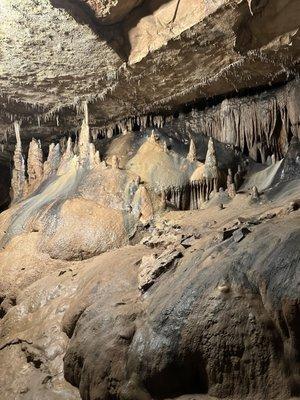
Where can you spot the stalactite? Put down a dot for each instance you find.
(256, 124)
(35, 166)
(18, 182)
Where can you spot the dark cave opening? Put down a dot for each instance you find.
(258, 156)
(187, 376)
(5, 179)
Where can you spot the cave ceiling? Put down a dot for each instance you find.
(129, 58)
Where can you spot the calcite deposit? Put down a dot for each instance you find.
(149, 200)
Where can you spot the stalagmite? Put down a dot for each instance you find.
(254, 194)
(211, 170)
(35, 166)
(115, 162)
(110, 132)
(163, 200)
(94, 156)
(205, 179)
(18, 182)
(165, 147)
(238, 177)
(146, 208)
(230, 184)
(52, 163)
(192, 154)
(63, 144)
(68, 152)
(273, 159)
(84, 138)
(152, 138)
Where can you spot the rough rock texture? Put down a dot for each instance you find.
(150, 57)
(223, 322)
(151, 152)
(106, 290)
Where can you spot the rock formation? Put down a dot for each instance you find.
(18, 182)
(211, 172)
(149, 208)
(52, 163)
(192, 155)
(34, 165)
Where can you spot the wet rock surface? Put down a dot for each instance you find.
(97, 303)
(214, 324)
(155, 257)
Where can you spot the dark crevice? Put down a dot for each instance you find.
(5, 179)
(84, 15)
(202, 104)
(186, 376)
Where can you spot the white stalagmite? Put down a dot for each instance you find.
(205, 179)
(110, 132)
(18, 182)
(211, 170)
(94, 156)
(84, 138)
(35, 164)
(192, 154)
(115, 162)
(53, 160)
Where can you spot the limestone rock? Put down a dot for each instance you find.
(152, 267)
(35, 168)
(18, 182)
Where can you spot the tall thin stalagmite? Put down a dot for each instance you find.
(211, 170)
(192, 154)
(18, 182)
(84, 138)
(35, 166)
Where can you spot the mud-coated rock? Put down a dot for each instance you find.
(189, 335)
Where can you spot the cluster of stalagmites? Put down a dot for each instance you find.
(25, 181)
(251, 124)
(205, 181)
(84, 154)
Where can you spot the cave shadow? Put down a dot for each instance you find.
(5, 179)
(84, 15)
(116, 35)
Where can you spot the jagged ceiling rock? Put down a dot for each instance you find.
(111, 11)
(133, 57)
